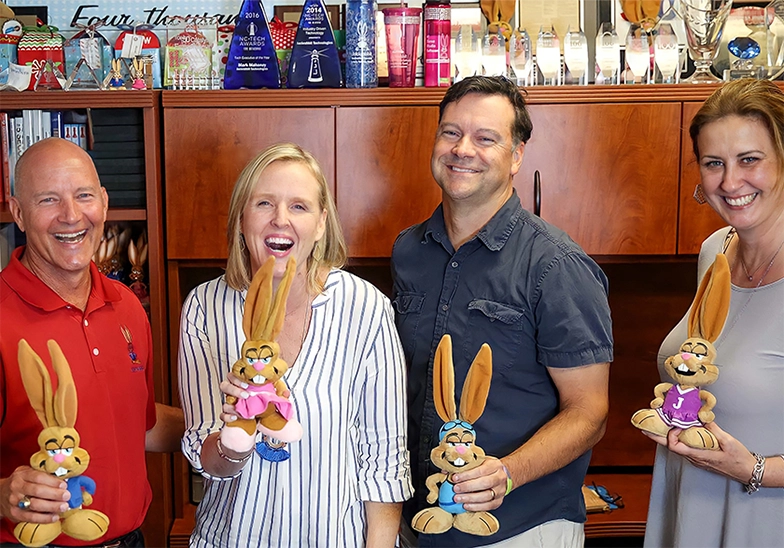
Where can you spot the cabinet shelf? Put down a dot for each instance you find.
(62, 100)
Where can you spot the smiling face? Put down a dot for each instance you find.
(474, 159)
(61, 207)
(60, 454)
(283, 217)
(740, 173)
(457, 451)
(693, 365)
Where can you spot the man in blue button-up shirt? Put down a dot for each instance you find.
(482, 269)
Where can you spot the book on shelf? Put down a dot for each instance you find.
(5, 143)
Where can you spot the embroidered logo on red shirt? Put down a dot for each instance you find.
(134, 358)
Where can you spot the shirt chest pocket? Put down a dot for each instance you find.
(408, 312)
(497, 324)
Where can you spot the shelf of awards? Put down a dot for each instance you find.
(63, 100)
(384, 96)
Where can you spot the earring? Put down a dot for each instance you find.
(242, 241)
(699, 194)
(318, 252)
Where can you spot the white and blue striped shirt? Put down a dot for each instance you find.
(348, 387)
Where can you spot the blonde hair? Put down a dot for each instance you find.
(329, 252)
(760, 100)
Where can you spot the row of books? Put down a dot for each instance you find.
(20, 129)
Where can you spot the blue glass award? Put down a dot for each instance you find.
(314, 57)
(252, 61)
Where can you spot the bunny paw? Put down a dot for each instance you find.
(237, 439)
(86, 525)
(432, 521)
(37, 534)
(290, 433)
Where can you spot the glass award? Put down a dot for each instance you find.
(576, 56)
(494, 54)
(521, 56)
(314, 57)
(467, 55)
(608, 55)
(704, 22)
(744, 50)
(666, 54)
(548, 55)
(252, 61)
(638, 55)
(775, 38)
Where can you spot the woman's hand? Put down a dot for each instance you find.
(732, 459)
(234, 388)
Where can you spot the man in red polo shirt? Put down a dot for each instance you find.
(51, 289)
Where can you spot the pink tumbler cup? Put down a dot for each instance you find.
(402, 25)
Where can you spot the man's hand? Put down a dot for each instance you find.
(47, 494)
(483, 488)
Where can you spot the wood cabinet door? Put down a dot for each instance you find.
(384, 182)
(696, 221)
(609, 174)
(206, 149)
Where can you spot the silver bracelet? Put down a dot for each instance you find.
(756, 475)
(225, 457)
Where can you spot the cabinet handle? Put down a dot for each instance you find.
(537, 194)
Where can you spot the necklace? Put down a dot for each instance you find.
(759, 284)
(770, 265)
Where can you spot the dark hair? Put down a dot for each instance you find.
(758, 99)
(493, 85)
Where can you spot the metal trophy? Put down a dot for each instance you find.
(704, 22)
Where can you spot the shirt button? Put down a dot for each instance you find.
(95, 352)
(444, 307)
(86, 323)
(454, 264)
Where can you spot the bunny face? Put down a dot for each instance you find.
(457, 450)
(260, 363)
(60, 454)
(693, 366)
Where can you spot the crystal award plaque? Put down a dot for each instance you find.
(745, 50)
(314, 57)
(252, 61)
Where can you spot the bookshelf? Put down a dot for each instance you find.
(150, 217)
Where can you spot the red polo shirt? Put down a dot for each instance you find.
(109, 349)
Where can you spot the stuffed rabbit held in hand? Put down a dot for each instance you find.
(261, 366)
(684, 405)
(457, 450)
(60, 454)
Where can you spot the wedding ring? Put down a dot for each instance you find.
(24, 504)
(493, 492)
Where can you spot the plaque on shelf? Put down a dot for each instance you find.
(252, 63)
(314, 57)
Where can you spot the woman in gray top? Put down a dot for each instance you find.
(699, 497)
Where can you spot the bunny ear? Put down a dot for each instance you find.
(444, 381)
(278, 313)
(257, 302)
(37, 383)
(712, 302)
(132, 252)
(477, 385)
(65, 397)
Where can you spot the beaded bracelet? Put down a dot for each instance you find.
(224, 456)
(756, 475)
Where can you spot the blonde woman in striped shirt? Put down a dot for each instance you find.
(344, 482)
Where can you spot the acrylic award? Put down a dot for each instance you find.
(252, 62)
(314, 57)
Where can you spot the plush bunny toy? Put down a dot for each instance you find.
(456, 451)
(261, 366)
(60, 453)
(685, 405)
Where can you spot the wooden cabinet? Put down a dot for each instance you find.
(205, 153)
(696, 221)
(159, 516)
(609, 174)
(383, 178)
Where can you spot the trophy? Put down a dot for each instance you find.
(745, 49)
(704, 22)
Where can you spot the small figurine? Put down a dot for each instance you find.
(138, 74)
(137, 255)
(457, 450)
(115, 79)
(684, 405)
(60, 454)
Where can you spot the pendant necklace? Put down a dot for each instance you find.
(759, 283)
